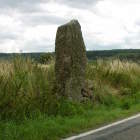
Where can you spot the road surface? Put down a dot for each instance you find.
(127, 129)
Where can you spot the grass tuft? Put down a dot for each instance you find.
(31, 110)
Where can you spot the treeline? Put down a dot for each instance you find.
(129, 54)
(8, 56)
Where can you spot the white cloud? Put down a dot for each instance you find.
(31, 25)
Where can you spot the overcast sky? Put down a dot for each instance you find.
(30, 25)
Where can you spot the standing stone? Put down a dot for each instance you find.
(71, 60)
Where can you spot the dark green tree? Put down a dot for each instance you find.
(46, 58)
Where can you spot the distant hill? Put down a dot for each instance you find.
(130, 54)
(9, 56)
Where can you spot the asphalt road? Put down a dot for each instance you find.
(128, 129)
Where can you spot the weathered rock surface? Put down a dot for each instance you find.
(87, 90)
(71, 60)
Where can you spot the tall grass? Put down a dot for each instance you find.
(114, 79)
(115, 72)
(30, 108)
(27, 89)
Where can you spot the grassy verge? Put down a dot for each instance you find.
(55, 128)
(31, 110)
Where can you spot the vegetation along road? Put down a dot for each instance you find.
(127, 129)
(66, 94)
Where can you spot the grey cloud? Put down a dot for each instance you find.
(33, 15)
(37, 47)
(78, 3)
(100, 46)
(31, 12)
(7, 36)
(32, 5)
(21, 5)
(42, 19)
(133, 40)
(18, 3)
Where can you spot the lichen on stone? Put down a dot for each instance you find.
(71, 60)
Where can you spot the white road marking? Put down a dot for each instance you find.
(102, 128)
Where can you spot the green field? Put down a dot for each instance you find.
(30, 109)
(125, 54)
